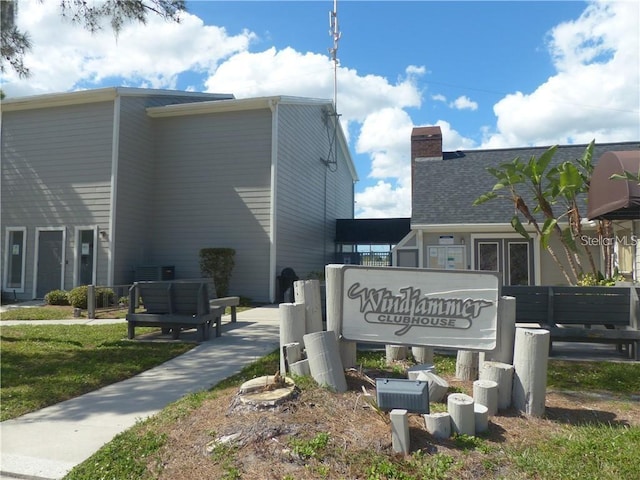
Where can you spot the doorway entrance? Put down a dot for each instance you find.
(49, 262)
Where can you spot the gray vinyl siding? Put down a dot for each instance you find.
(310, 195)
(56, 172)
(134, 190)
(212, 189)
(136, 182)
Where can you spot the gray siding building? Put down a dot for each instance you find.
(448, 232)
(102, 184)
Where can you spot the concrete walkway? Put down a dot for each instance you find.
(48, 443)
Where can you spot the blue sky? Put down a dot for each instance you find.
(491, 74)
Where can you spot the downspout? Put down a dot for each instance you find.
(115, 145)
(273, 105)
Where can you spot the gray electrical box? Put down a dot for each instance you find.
(410, 395)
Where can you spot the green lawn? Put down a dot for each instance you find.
(46, 364)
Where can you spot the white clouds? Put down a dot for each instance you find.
(65, 55)
(464, 103)
(595, 92)
(384, 200)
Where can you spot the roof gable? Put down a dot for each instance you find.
(444, 191)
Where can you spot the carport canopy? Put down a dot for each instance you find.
(615, 199)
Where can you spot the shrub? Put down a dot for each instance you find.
(105, 297)
(56, 297)
(217, 263)
(78, 297)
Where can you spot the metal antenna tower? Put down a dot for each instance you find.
(334, 32)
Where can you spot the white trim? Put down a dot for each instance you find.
(7, 252)
(111, 234)
(501, 235)
(37, 254)
(229, 105)
(273, 105)
(77, 251)
(96, 95)
(467, 227)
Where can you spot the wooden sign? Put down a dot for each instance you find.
(410, 306)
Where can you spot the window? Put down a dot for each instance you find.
(14, 265)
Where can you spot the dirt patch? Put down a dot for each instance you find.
(224, 438)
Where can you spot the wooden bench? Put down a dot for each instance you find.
(570, 313)
(173, 306)
(214, 301)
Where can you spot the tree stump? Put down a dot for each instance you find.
(460, 407)
(308, 292)
(422, 354)
(481, 418)
(300, 368)
(502, 374)
(530, 359)
(292, 327)
(467, 365)
(292, 353)
(395, 353)
(438, 386)
(438, 424)
(324, 360)
(485, 392)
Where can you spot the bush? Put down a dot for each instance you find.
(56, 297)
(78, 297)
(217, 263)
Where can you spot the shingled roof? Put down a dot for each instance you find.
(444, 190)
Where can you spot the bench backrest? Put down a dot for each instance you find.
(179, 297)
(155, 296)
(574, 305)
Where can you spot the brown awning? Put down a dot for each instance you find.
(615, 199)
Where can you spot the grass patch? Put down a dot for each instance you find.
(614, 377)
(46, 364)
(38, 313)
(60, 312)
(132, 450)
(595, 452)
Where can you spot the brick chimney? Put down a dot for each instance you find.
(426, 144)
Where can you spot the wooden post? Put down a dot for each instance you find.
(395, 353)
(467, 365)
(422, 354)
(460, 407)
(348, 350)
(91, 301)
(530, 359)
(506, 333)
(308, 292)
(485, 392)
(292, 327)
(324, 360)
(399, 430)
(438, 424)
(502, 374)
